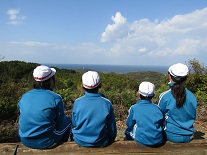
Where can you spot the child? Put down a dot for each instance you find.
(145, 119)
(42, 122)
(93, 117)
(179, 106)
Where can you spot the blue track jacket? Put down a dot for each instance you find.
(179, 121)
(93, 120)
(41, 116)
(145, 123)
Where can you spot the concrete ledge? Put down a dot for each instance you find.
(118, 147)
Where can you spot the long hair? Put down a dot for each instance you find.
(178, 90)
(43, 84)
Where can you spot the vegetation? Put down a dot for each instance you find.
(16, 79)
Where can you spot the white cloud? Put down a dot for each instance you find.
(13, 13)
(26, 43)
(182, 35)
(31, 43)
(116, 30)
(15, 17)
(42, 52)
(157, 42)
(142, 49)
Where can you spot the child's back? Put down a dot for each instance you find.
(93, 116)
(145, 119)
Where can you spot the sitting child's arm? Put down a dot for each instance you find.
(111, 126)
(130, 125)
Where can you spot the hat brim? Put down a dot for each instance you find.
(146, 94)
(91, 87)
(53, 72)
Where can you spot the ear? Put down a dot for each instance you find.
(138, 94)
(169, 77)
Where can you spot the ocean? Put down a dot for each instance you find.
(120, 69)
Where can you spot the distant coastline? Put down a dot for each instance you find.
(120, 69)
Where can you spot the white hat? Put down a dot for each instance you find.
(147, 89)
(90, 79)
(42, 73)
(178, 70)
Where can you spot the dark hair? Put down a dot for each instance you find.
(94, 90)
(43, 84)
(178, 90)
(145, 97)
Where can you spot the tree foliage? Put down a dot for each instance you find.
(121, 89)
(197, 80)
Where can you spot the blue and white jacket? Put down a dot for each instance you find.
(41, 113)
(178, 121)
(145, 123)
(93, 120)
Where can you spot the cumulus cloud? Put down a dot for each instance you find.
(15, 17)
(181, 35)
(117, 30)
(142, 41)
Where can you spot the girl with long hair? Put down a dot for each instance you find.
(178, 104)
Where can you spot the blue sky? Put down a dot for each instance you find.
(130, 32)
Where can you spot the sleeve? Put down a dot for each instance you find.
(73, 115)
(162, 104)
(112, 130)
(130, 122)
(59, 112)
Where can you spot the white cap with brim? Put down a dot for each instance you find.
(42, 73)
(91, 80)
(178, 70)
(147, 89)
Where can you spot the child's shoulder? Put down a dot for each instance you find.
(105, 99)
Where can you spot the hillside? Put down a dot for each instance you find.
(16, 79)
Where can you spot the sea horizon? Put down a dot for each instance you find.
(119, 69)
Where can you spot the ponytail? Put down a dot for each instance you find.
(178, 91)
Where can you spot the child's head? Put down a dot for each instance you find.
(91, 81)
(178, 72)
(146, 90)
(44, 77)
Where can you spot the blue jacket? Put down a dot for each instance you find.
(179, 121)
(41, 111)
(93, 120)
(144, 122)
